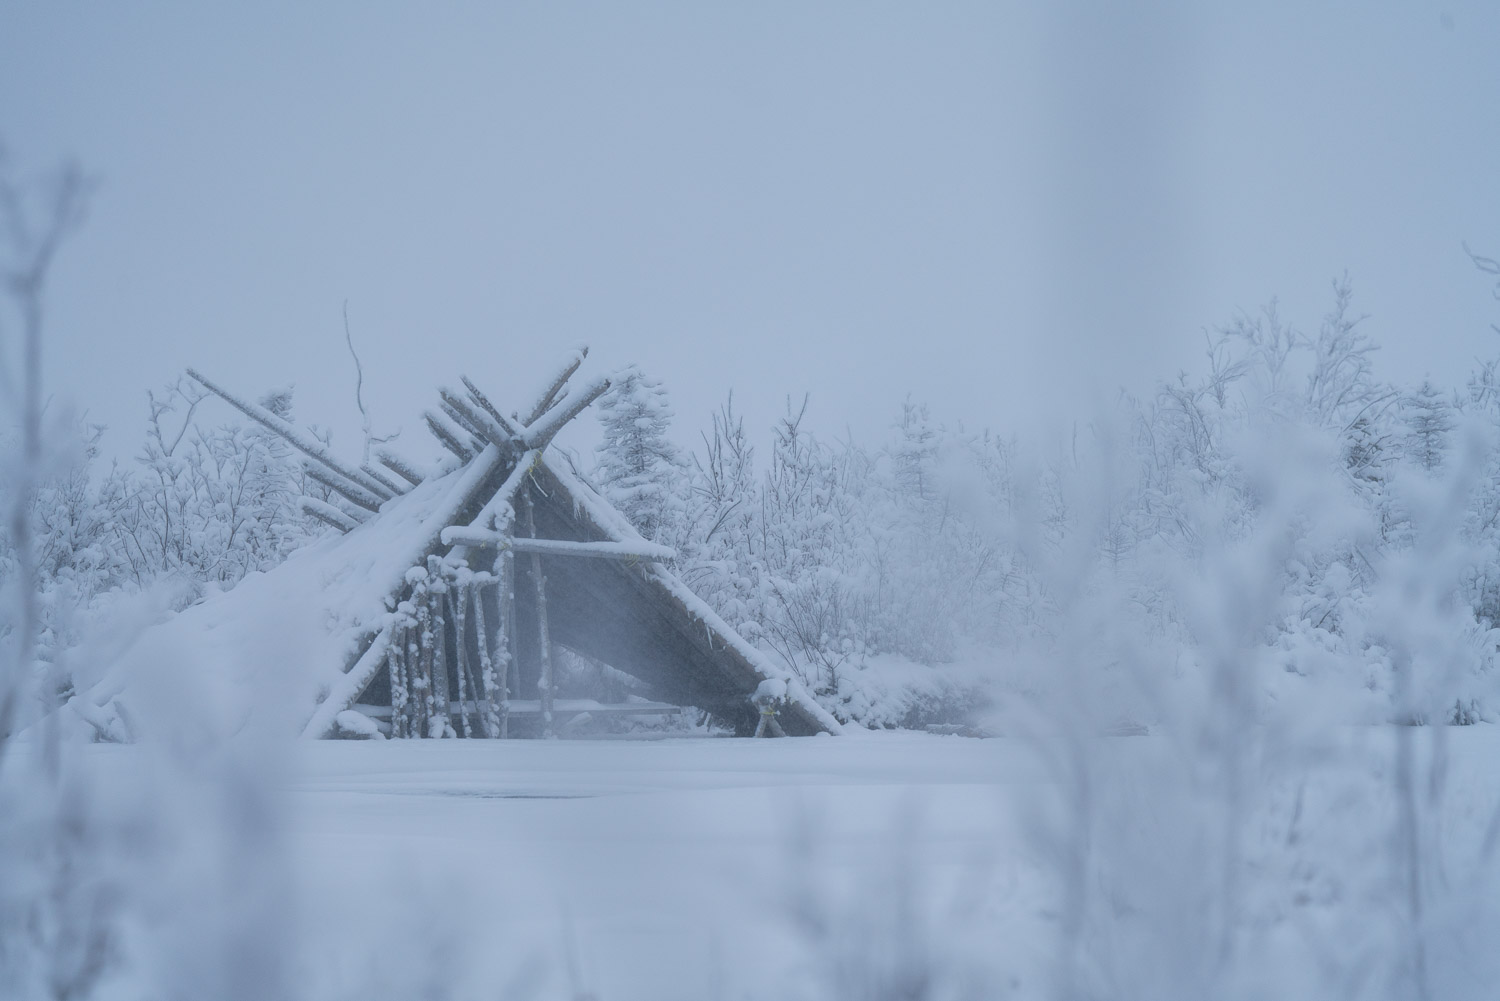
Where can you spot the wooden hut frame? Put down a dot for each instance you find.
(519, 553)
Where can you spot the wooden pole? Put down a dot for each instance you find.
(494, 697)
(458, 601)
(511, 433)
(474, 594)
(412, 663)
(399, 466)
(328, 514)
(549, 395)
(505, 648)
(351, 492)
(396, 658)
(447, 436)
(544, 636)
(437, 588)
(384, 480)
(541, 432)
(423, 684)
(308, 446)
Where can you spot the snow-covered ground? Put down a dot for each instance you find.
(870, 866)
(682, 868)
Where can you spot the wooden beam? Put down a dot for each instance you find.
(484, 404)
(328, 514)
(303, 443)
(544, 636)
(399, 466)
(532, 707)
(459, 535)
(457, 417)
(549, 395)
(448, 437)
(384, 480)
(437, 589)
(351, 492)
(541, 433)
(481, 421)
(505, 653)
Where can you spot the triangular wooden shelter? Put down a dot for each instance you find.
(508, 554)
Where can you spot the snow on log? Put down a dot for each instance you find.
(456, 497)
(384, 480)
(450, 437)
(480, 420)
(347, 688)
(549, 396)
(399, 466)
(305, 444)
(350, 492)
(459, 418)
(539, 434)
(627, 551)
(477, 395)
(499, 510)
(328, 514)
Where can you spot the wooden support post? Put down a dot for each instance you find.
(396, 659)
(494, 696)
(437, 587)
(458, 602)
(425, 707)
(412, 664)
(474, 594)
(505, 648)
(544, 636)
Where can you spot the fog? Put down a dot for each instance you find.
(999, 209)
(432, 444)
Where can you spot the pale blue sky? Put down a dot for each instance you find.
(1001, 209)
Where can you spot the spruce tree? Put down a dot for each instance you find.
(637, 467)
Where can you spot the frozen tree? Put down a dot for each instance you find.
(1429, 422)
(209, 504)
(915, 450)
(637, 466)
(724, 563)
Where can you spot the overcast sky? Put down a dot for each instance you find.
(1000, 209)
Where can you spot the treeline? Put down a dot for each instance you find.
(929, 575)
(1351, 527)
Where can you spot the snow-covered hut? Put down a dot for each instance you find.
(436, 608)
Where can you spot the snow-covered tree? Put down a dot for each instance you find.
(209, 504)
(1429, 422)
(637, 466)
